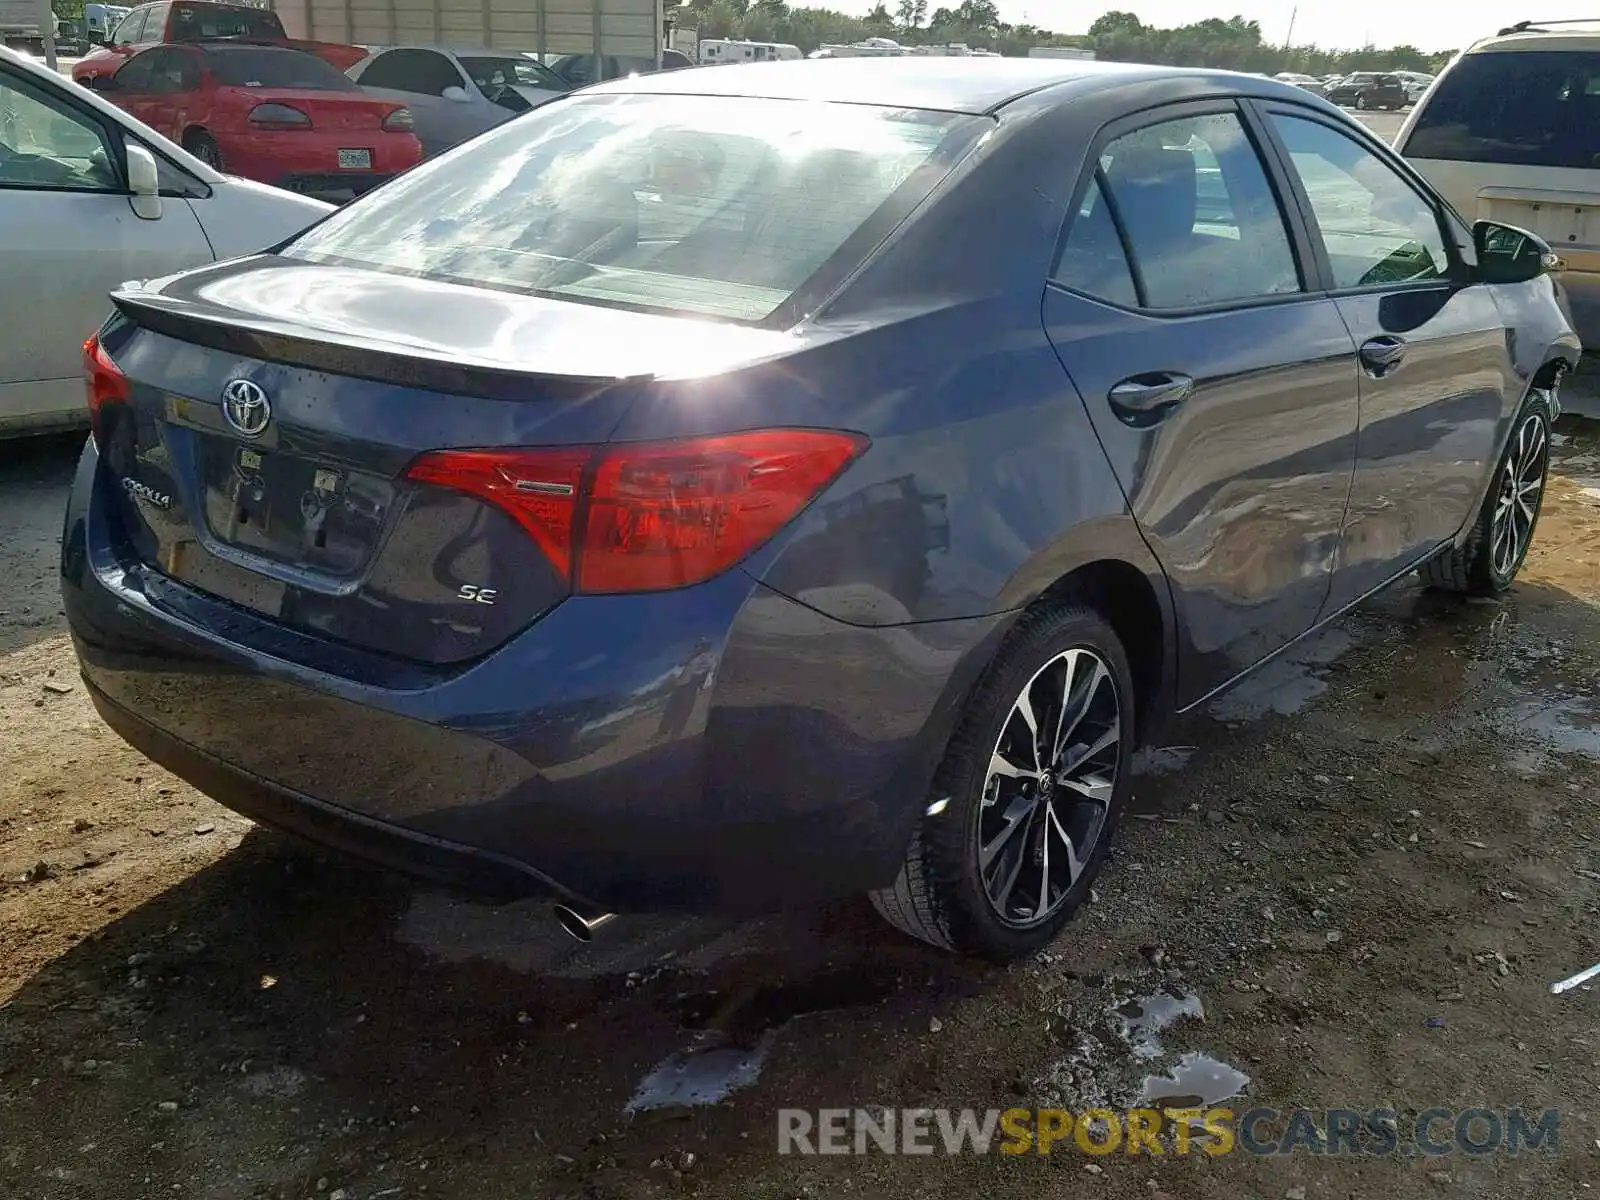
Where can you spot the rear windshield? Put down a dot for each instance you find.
(709, 206)
(1531, 108)
(193, 22)
(265, 67)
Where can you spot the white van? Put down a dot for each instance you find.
(1510, 132)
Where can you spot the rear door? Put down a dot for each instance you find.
(1431, 344)
(1222, 388)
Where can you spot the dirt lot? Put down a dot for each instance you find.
(1375, 860)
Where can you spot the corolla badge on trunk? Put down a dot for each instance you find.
(246, 407)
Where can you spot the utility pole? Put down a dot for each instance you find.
(1288, 38)
(47, 26)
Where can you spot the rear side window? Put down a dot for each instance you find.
(1531, 108)
(1196, 212)
(1092, 259)
(264, 67)
(682, 204)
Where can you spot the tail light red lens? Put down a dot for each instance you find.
(652, 515)
(104, 383)
(399, 121)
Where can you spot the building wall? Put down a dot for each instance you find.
(546, 26)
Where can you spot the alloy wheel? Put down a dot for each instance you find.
(1048, 790)
(1517, 503)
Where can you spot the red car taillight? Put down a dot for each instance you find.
(399, 121)
(104, 383)
(278, 116)
(650, 515)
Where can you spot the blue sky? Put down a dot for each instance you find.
(1428, 24)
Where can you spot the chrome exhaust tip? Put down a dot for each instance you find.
(579, 926)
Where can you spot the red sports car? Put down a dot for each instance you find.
(198, 21)
(267, 113)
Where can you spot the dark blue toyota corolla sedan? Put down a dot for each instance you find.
(731, 489)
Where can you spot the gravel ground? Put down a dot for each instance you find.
(1358, 876)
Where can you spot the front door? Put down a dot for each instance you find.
(1223, 391)
(68, 235)
(1431, 344)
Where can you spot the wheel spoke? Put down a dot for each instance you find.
(1092, 788)
(1012, 868)
(1081, 755)
(1080, 710)
(1015, 818)
(1024, 709)
(1071, 672)
(1042, 906)
(1000, 765)
(1074, 866)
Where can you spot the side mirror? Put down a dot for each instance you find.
(456, 94)
(1507, 254)
(144, 183)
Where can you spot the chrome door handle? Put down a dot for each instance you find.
(1145, 399)
(1382, 354)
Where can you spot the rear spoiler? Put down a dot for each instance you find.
(280, 341)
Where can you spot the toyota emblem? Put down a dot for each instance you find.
(246, 407)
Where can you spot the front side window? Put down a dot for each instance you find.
(131, 28)
(1376, 227)
(48, 145)
(684, 204)
(1529, 108)
(492, 74)
(1198, 213)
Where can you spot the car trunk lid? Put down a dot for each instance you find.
(274, 408)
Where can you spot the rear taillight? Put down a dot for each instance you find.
(278, 116)
(650, 515)
(104, 383)
(399, 121)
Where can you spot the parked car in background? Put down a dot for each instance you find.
(1509, 133)
(90, 198)
(1415, 84)
(268, 113)
(454, 94)
(1366, 89)
(1308, 83)
(578, 70)
(201, 20)
(522, 510)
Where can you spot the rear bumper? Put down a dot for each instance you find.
(283, 158)
(716, 748)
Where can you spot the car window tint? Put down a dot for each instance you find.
(672, 203)
(138, 73)
(1531, 108)
(1376, 227)
(166, 72)
(1092, 260)
(191, 22)
(1200, 217)
(131, 28)
(421, 72)
(47, 144)
(275, 67)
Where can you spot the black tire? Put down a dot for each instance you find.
(204, 147)
(1480, 566)
(941, 894)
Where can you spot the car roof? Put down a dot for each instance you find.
(962, 85)
(1551, 35)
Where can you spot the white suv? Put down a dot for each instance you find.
(1510, 132)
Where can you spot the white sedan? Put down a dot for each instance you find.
(91, 198)
(454, 94)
